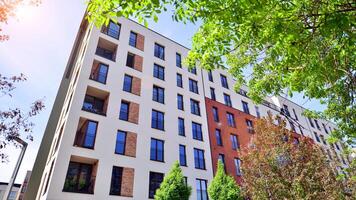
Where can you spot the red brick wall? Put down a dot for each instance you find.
(127, 182)
(136, 86)
(134, 112)
(130, 148)
(138, 62)
(140, 42)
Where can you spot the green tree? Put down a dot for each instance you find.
(223, 187)
(306, 46)
(173, 186)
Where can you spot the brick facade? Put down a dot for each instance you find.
(138, 62)
(130, 148)
(134, 112)
(140, 42)
(127, 182)
(136, 86)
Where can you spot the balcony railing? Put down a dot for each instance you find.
(108, 54)
(87, 106)
(80, 186)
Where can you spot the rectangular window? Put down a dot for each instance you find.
(212, 94)
(218, 137)
(224, 81)
(179, 80)
(133, 39)
(199, 159)
(93, 104)
(192, 70)
(157, 120)
(181, 126)
(182, 156)
(316, 137)
(180, 103)
(100, 73)
(194, 107)
(245, 107)
(210, 76)
(120, 142)
(325, 129)
(221, 158)
(317, 124)
(113, 30)
(216, 114)
(249, 126)
(238, 166)
(124, 111)
(301, 129)
(295, 115)
(230, 119)
(158, 94)
(155, 182)
(158, 71)
(227, 100)
(197, 132)
(157, 150)
(130, 60)
(159, 51)
(202, 192)
(234, 142)
(116, 181)
(285, 110)
(178, 60)
(311, 122)
(79, 178)
(127, 83)
(85, 136)
(258, 114)
(193, 86)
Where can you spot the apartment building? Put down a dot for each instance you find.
(127, 109)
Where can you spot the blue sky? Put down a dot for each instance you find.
(40, 42)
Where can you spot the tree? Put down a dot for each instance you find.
(14, 121)
(173, 186)
(223, 187)
(280, 165)
(303, 46)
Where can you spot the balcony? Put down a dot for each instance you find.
(106, 49)
(95, 101)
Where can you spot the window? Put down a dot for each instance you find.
(238, 166)
(93, 104)
(127, 83)
(79, 178)
(230, 119)
(316, 137)
(197, 132)
(116, 180)
(133, 39)
(323, 139)
(106, 49)
(221, 158)
(181, 127)
(178, 60)
(192, 70)
(227, 100)
(179, 80)
(157, 150)
(194, 107)
(234, 142)
(317, 124)
(193, 86)
(212, 94)
(155, 182)
(157, 120)
(245, 107)
(86, 134)
(120, 142)
(325, 129)
(130, 60)
(158, 94)
(224, 81)
(124, 111)
(295, 114)
(113, 30)
(159, 51)
(218, 137)
(311, 122)
(301, 129)
(182, 156)
(158, 71)
(285, 110)
(100, 73)
(210, 76)
(249, 126)
(199, 160)
(337, 146)
(180, 103)
(202, 193)
(215, 114)
(258, 114)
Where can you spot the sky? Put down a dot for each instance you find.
(40, 42)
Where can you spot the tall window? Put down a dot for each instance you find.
(182, 156)
(197, 132)
(116, 180)
(120, 142)
(218, 137)
(78, 178)
(180, 103)
(311, 122)
(224, 81)
(199, 160)
(222, 160)
(193, 86)
(325, 129)
(237, 166)
(210, 76)
(245, 107)
(215, 114)
(124, 111)
(316, 137)
(155, 182)
(157, 150)
(159, 51)
(212, 94)
(234, 142)
(93, 104)
(181, 127)
(295, 115)
(133, 39)
(179, 80)
(100, 73)
(130, 60)
(157, 120)
(317, 124)
(249, 126)
(258, 114)
(158, 71)
(230, 119)
(286, 110)
(192, 70)
(227, 100)
(202, 193)
(194, 107)
(86, 135)
(158, 94)
(113, 30)
(127, 83)
(178, 60)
